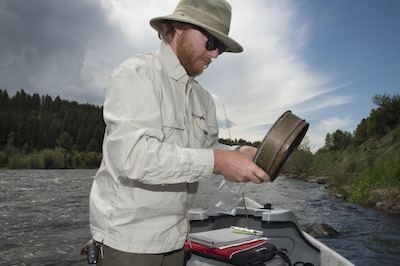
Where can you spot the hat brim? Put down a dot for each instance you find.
(232, 45)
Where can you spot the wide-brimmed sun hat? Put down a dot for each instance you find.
(214, 16)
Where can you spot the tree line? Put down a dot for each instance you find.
(382, 120)
(31, 124)
(42, 132)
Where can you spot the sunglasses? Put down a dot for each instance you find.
(212, 42)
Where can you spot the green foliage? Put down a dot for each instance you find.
(338, 140)
(17, 162)
(53, 159)
(301, 160)
(35, 161)
(364, 167)
(39, 132)
(240, 142)
(361, 133)
(92, 159)
(380, 122)
(65, 141)
(385, 174)
(386, 117)
(366, 173)
(48, 159)
(3, 159)
(43, 123)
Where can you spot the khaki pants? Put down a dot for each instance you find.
(113, 257)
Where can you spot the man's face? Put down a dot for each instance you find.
(192, 52)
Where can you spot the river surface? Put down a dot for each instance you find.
(44, 217)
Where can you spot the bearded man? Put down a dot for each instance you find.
(161, 139)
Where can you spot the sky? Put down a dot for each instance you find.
(323, 60)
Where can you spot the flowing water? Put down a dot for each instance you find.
(44, 217)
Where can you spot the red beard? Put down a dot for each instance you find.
(188, 57)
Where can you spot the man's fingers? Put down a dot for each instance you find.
(261, 174)
(238, 167)
(249, 151)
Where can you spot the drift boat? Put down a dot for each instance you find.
(276, 226)
(240, 231)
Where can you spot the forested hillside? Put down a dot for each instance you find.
(32, 124)
(41, 132)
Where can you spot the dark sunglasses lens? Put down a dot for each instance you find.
(210, 45)
(213, 44)
(221, 47)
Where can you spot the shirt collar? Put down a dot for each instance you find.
(172, 64)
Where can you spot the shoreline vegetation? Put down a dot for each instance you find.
(363, 167)
(368, 174)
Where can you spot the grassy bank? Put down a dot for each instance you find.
(368, 174)
(58, 158)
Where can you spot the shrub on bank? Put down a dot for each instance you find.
(367, 174)
(36, 161)
(49, 159)
(53, 159)
(3, 159)
(17, 162)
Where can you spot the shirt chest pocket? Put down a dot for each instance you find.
(173, 120)
(173, 126)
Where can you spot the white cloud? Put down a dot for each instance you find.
(69, 48)
(258, 85)
(334, 123)
(318, 130)
(133, 18)
(270, 76)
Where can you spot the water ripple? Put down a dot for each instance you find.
(44, 216)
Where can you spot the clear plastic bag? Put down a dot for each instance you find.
(227, 197)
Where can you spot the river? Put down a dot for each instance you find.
(44, 217)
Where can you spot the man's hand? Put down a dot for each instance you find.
(237, 166)
(249, 151)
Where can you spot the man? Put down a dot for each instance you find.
(161, 138)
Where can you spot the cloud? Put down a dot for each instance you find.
(225, 123)
(258, 85)
(132, 17)
(270, 76)
(51, 46)
(319, 128)
(69, 48)
(333, 123)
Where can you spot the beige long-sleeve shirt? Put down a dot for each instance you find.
(161, 130)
